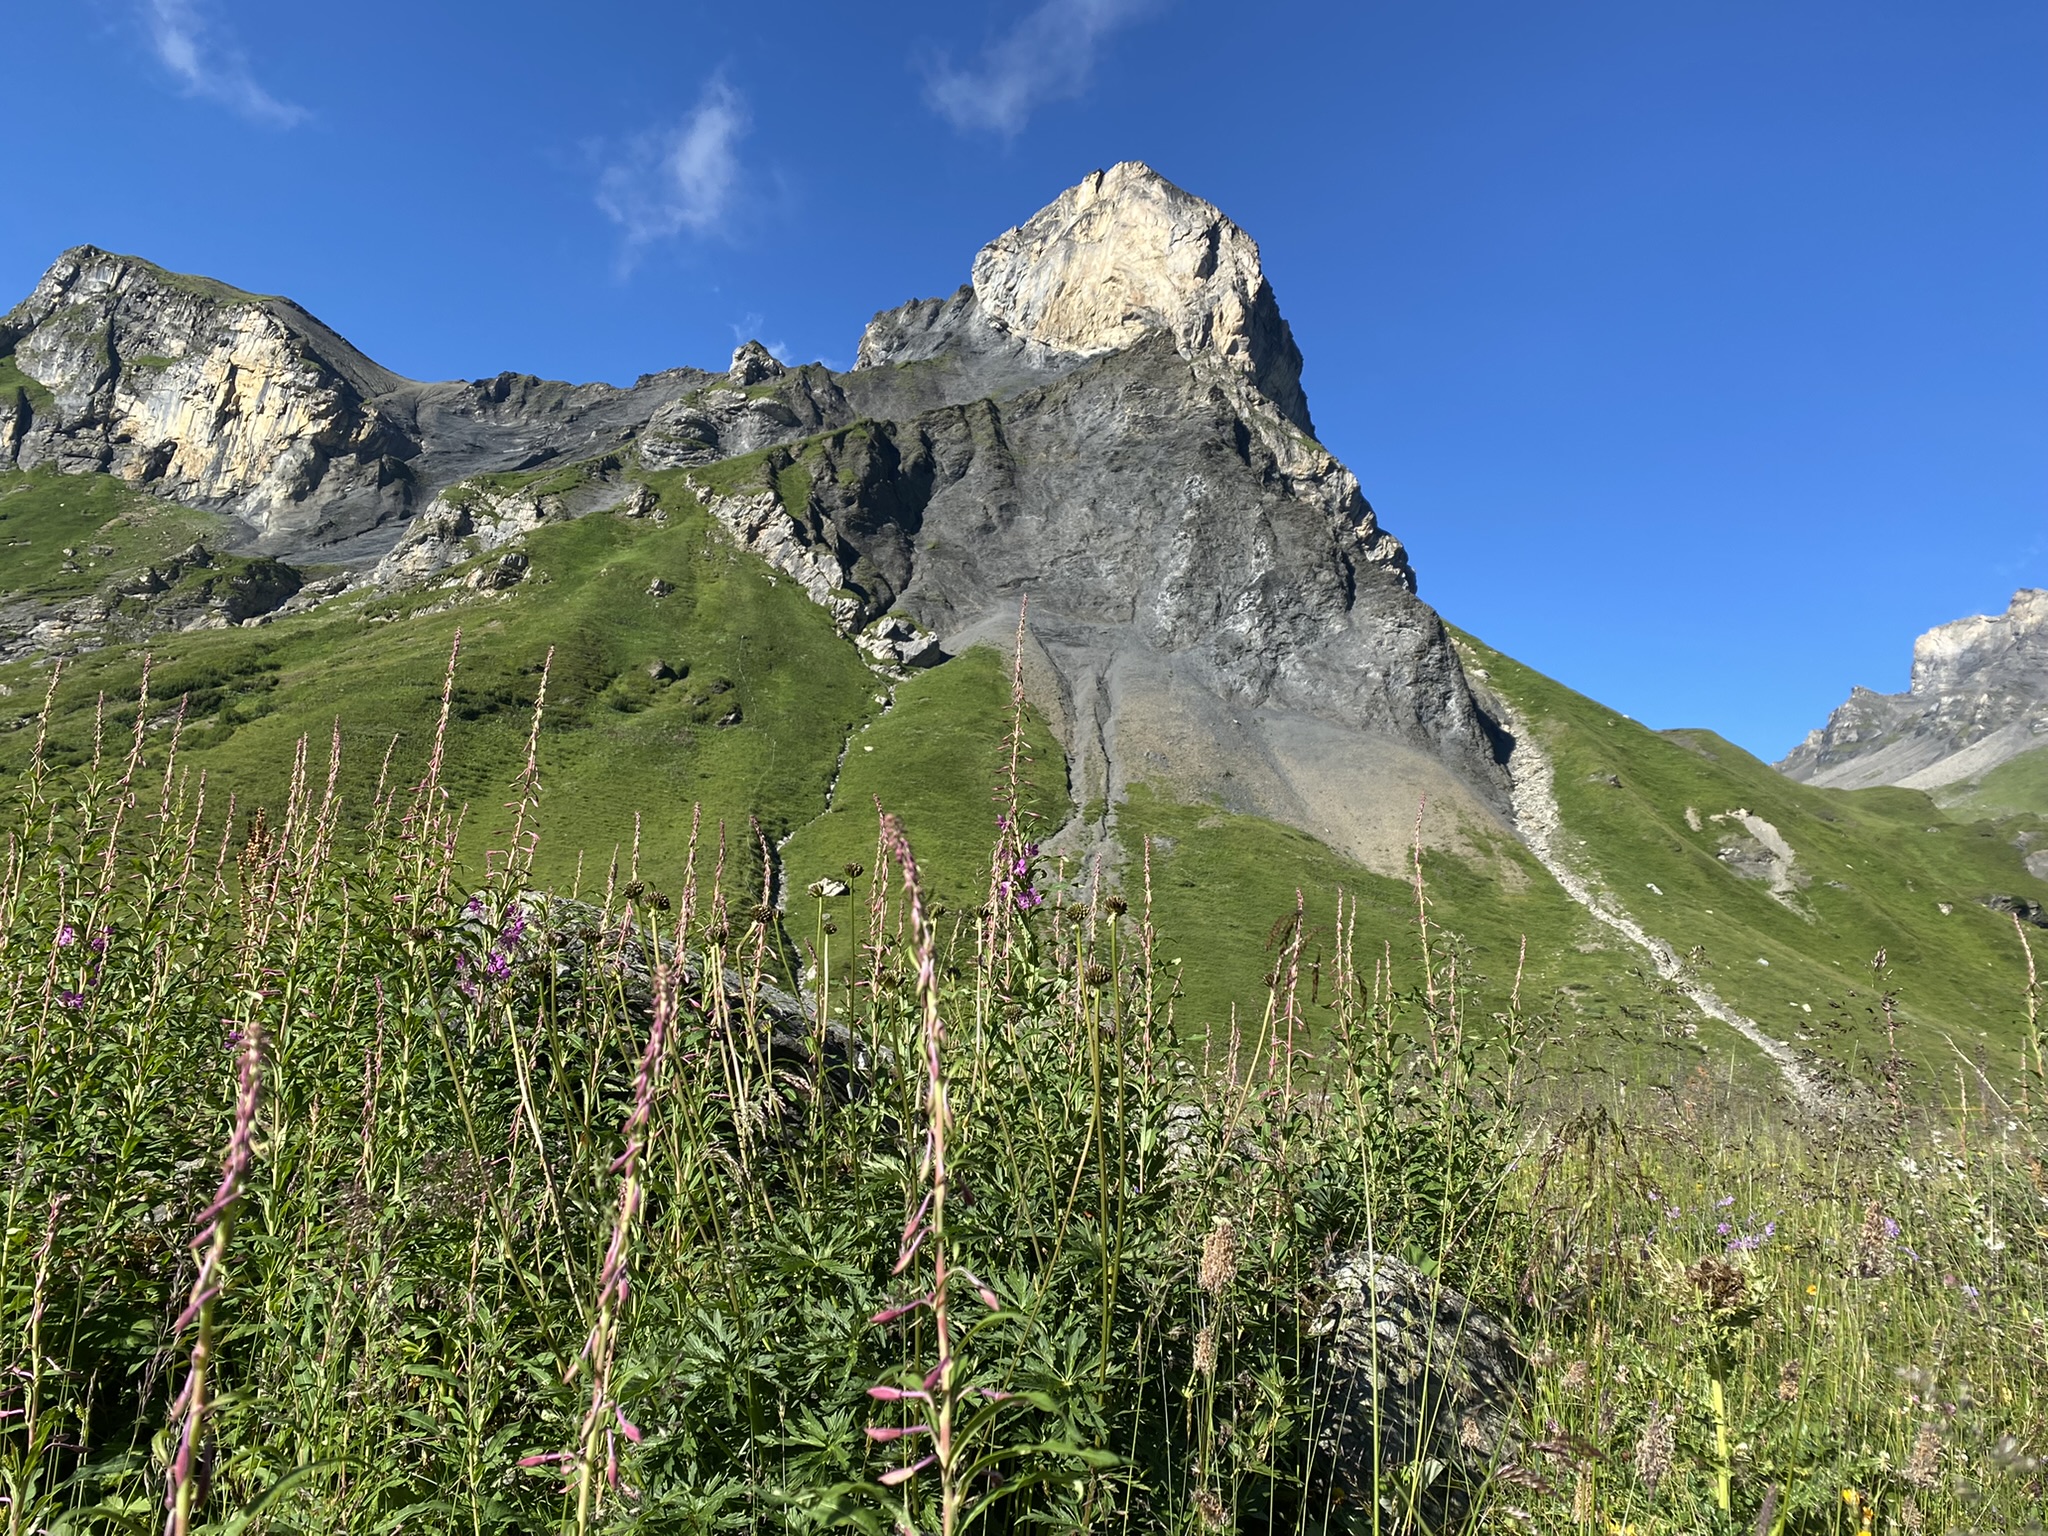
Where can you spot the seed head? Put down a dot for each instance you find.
(1654, 1447)
(1205, 1351)
(1788, 1381)
(1116, 906)
(1577, 1376)
(1923, 1467)
(1219, 1257)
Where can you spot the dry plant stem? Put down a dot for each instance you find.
(614, 1282)
(217, 1228)
(939, 1392)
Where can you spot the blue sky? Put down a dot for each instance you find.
(1698, 352)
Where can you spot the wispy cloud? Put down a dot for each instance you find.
(1048, 56)
(680, 179)
(204, 57)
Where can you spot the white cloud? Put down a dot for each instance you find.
(205, 59)
(679, 179)
(1047, 56)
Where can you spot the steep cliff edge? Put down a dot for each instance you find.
(1108, 421)
(1978, 698)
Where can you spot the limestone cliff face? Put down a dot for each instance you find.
(1107, 421)
(1126, 253)
(248, 405)
(198, 391)
(1979, 696)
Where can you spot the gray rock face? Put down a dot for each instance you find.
(246, 404)
(1108, 422)
(1979, 696)
(1422, 1393)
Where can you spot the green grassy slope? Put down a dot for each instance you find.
(2016, 787)
(1877, 868)
(115, 530)
(935, 760)
(1224, 890)
(753, 723)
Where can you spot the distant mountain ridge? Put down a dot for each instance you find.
(1107, 421)
(1978, 699)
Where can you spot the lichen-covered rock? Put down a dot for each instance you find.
(1421, 1389)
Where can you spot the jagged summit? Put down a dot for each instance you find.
(1107, 419)
(1121, 255)
(1979, 697)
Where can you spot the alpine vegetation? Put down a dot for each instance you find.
(355, 1188)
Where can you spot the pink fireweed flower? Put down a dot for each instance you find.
(71, 999)
(66, 935)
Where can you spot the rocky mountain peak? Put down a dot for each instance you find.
(1979, 697)
(1125, 253)
(2005, 651)
(753, 364)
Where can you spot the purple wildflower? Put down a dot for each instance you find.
(498, 966)
(71, 999)
(66, 936)
(515, 925)
(99, 940)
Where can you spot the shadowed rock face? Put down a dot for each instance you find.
(1108, 421)
(1979, 696)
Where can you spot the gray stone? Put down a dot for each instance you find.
(1422, 1389)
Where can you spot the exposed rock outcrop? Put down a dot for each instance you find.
(1109, 421)
(1978, 697)
(246, 404)
(1421, 1393)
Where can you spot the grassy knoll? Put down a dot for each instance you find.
(116, 531)
(1878, 869)
(2017, 787)
(763, 694)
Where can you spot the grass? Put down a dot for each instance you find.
(2016, 787)
(1225, 889)
(1877, 868)
(936, 760)
(545, 1216)
(751, 727)
(14, 384)
(117, 532)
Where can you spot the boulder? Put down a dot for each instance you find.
(1419, 1403)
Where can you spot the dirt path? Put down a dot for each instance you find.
(1542, 829)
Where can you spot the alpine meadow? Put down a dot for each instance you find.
(949, 945)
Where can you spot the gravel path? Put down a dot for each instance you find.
(1542, 829)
